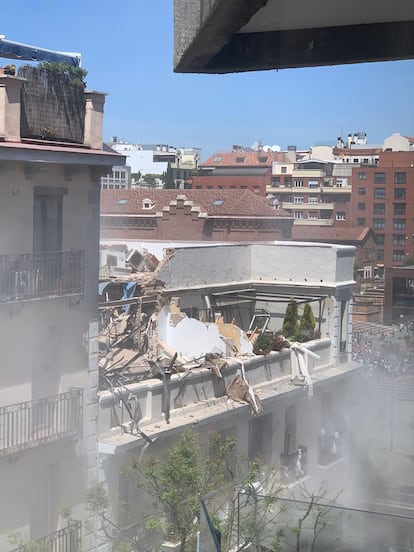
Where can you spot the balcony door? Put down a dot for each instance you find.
(47, 218)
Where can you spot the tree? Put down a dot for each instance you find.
(168, 179)
(315, 512)
(307, 324)
(150, 180)
(290, 322)
(177, 481)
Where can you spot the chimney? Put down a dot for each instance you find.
(10, 87)
(93, 136)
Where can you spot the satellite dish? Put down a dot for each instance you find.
(266, 148)
(275, 148)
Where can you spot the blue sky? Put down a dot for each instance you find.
(127, 48)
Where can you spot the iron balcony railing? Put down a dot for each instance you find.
(67, 539)
(30, 424)
(31, 276)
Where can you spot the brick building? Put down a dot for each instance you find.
(239, 169)
(382, 198)
(191, 215)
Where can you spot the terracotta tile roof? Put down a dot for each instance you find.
(330, 234)
(250, 159)
(226, 203)
(410, 139)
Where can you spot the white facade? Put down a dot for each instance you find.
(244, 278)
(49, 231)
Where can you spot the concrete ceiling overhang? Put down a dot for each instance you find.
(222, 36)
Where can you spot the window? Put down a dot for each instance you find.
(399, 224)
(361, 206)
(218, 158)
(379, 208)
(379, 193)
(365, 160)
(313, 215)
(379, 178)
(361, 221)
(288, 181)
(398, 239)
(276, 182)
(298, 214)
(400, 208)
(362, 175)
(260, 438)
(361, 191)
(340, 215)
(400, 178)
(378, 223)
(380, 254)
(122, 201)
(380, 239)
(147, 203)
(313, 184)
(399, 193)
(47, 218)
(355, 160)
(240, 159)
(298, 199)
(313, 200)
(298, 183)
(398, 255)
(283, 170)
(263, 159)
(218, 202)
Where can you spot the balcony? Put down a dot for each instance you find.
(309, 206)
(67, 539)
(293, 465)
(337, 189)
(31, 276)
(313, 222)
(33, 423)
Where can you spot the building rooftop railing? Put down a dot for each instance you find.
(43, 275)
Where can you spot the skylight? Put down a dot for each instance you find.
(218, 158)
(218, 202)
(122, 201)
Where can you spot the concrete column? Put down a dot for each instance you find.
(10, 87)
(93, 136)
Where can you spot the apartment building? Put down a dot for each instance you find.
(241, 169)
(49, 246)
(382, 199)
(315, 192)
(302, 390)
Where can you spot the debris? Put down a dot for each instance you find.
(238, 390)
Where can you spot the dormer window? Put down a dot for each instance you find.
(240, 159)
(147, 203)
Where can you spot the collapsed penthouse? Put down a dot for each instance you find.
(178, 354)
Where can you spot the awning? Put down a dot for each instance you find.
(17, 50)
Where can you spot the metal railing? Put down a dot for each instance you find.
(30, 424)
(67, 539)
(31, 276)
